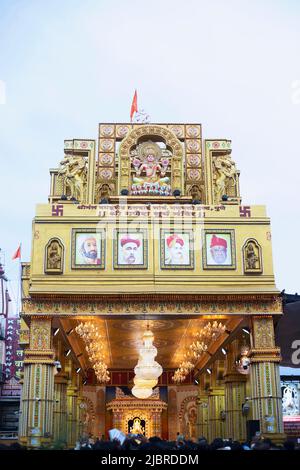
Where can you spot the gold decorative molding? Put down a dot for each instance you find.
(175, 305)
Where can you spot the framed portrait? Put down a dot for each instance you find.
(218, 249)
(130, 249)
(177, 249)
(88, 248)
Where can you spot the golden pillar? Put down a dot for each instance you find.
(235, 393)
(81, 413)
(72, 415)
(202, 407)
(266, 398)
(60, 407)
(36, 418)
(216, 403)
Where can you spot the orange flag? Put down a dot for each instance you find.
(134, 107)
(17, 253)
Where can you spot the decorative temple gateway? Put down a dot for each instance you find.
(150, 294)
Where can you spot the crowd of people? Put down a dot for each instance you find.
(138, 442)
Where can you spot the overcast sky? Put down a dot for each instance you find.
(233, 66)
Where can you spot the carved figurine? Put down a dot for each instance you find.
(73, 171)
(195, 192)
(225, 170)
(54, 257)
(251, 258)
(149, 161)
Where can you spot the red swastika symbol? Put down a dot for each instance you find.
(58, 210)
(245, 211)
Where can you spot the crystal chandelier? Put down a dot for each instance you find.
(92, 338)
(203, 338)
(147, 369)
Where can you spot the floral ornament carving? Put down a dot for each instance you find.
(122, 131)
(264, 333)
(106, 159)
(107, 131)
(194, 160)
(193, 131)
(193, 145)
(106, 174)
(40, 334)
(106, 145)
(194, 174)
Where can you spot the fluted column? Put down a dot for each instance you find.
(266, 398)
(216, 404)
(117, 420)
(36, 418)
(60, 407)
(235, 392)
(80, 422)
(202, 408)
(72, 415)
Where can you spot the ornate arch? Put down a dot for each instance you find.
(177, 173)
(89, 414)
(184, 402)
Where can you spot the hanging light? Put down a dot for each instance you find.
(142, 383)
(141, 392)
(147, 369)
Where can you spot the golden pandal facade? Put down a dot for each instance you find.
(149, 233)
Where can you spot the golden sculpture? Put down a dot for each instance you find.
(137, 427)
(252, 257)
(54, 257)
(195, 192)
(73, 172)
(225, 173)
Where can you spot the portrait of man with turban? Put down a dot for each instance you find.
(218, 249)
(176, 249)
(88, 249)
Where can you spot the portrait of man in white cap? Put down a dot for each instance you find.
(130, 249)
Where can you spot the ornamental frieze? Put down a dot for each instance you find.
(72, 308)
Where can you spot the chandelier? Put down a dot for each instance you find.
(94, 347)
(203, 338)
(147, 369)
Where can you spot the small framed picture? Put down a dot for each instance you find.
(177, 249)
(130, 249)
(218, 249)
(88, 248)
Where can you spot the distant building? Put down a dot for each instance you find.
(288, 338)
(11, 365)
